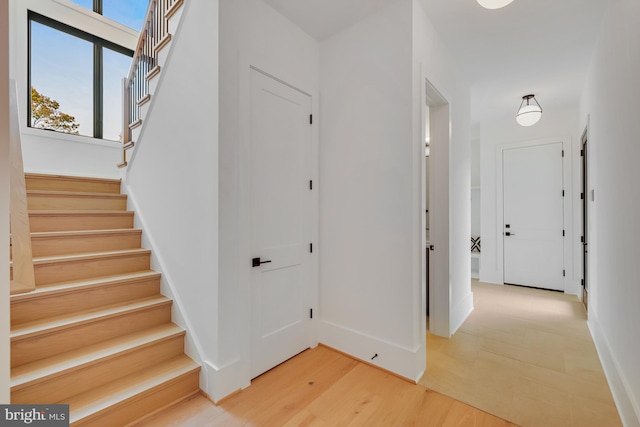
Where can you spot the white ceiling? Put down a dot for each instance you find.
(530, 46)
(322, 18)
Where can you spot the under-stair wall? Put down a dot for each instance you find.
(171, 176)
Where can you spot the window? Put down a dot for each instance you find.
(84, 3)
(75, 80)
(127, 12)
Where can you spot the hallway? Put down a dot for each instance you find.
(525, 355)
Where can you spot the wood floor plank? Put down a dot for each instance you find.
(524, 355)
(321, 387)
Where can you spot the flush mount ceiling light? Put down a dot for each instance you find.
(529, 112)
(494, 4)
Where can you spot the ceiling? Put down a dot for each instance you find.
(530, 46)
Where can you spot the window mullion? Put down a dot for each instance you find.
(97, 91)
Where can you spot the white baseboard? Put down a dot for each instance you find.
(460, 312)
(223, 381)
(406, 362)
(627, 404)
(573, 287)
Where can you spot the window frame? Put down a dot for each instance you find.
(98, 78)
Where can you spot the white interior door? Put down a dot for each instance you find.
(533, 216)
(280, 228)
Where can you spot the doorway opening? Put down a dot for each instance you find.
(435, 208)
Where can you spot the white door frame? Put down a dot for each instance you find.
(439, 131)
(571, 285)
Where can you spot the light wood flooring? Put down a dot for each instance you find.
(321, 387)
(525, 355)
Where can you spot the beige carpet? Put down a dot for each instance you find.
(525, 355)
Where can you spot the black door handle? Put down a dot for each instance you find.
(508, 233)
(255, 262)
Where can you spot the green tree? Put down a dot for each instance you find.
(46, 114)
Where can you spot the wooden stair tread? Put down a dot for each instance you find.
(48, 212)
(75, 285)
(80, 233)
(53, 324)
(89, 256)
(72, 183)
(60, 364)
(71, 178)
(57, 193)
(117, 392)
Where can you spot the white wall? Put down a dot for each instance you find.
(5, 347)
(251, 34)
(172, 181)
(475, 156)
(452, 183)
(367, 252)
(74, 155)
(560, 124)
(609, 105)
(372, 187)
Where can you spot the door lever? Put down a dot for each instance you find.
(508, 233)
(255, 262)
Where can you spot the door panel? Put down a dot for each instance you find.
(280, 229)
(585, 223)
(533, 216)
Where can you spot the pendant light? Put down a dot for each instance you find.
(494, 4)
(529, 112)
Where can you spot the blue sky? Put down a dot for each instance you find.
(128, 12)
(61, 68)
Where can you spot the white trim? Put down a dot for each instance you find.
(626, 402)
(461, 311)
(439, 232)
(81, 139)
(390, 356)
(227, 379)
(92, 15)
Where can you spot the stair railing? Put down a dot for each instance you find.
(135, 87)
(21, 253)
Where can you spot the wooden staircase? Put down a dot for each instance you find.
(96, 333)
